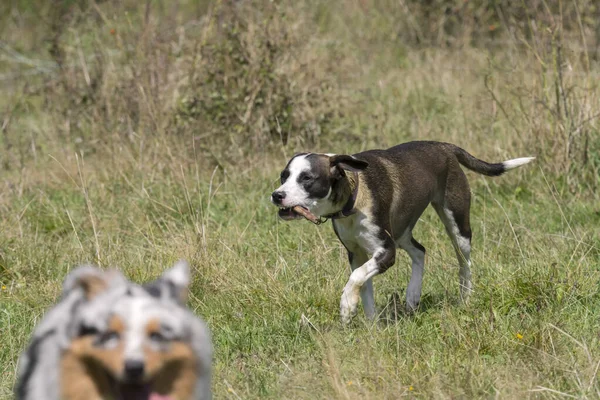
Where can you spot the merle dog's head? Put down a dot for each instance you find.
(308, 181)
(136, 341)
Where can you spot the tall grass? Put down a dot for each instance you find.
(133, 134)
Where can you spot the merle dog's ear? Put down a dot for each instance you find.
(179, 276)
(348, 163)
(91, 280)
(173, 283)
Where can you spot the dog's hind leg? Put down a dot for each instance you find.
(454, 213)
(462, 246)
(417, 255)
(357, 259)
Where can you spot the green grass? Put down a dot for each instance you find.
(270, 290)
(118, 175)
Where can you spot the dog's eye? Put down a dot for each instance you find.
(107, 339)
(109, 336)
(85, 330)
(157, 337)
(306, 178)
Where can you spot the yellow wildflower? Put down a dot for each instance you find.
(519, 336)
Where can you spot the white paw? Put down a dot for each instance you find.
(349, 303)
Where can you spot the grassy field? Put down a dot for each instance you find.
(132, 135)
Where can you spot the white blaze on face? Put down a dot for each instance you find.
(295, 195)
(138, 312)
(133, 311)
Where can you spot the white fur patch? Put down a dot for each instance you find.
(137, 312)
(463, 243)
(294, 192)
(359, 232)
(351, 293)
(463, 254)
(517, 162)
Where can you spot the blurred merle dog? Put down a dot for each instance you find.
(109, 338)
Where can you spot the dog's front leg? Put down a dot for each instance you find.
(382, 259)
(357, 259)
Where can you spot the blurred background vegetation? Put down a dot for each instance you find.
(237, 79)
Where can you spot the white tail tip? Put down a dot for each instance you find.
(517, 162)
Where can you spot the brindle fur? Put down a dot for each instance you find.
(395, 186)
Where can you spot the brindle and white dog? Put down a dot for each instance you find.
(376, 197)
(109, 338)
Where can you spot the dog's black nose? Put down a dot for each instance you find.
(277, 197)
(134, 370)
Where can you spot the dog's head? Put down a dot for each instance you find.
(308, 181)
(137, 342)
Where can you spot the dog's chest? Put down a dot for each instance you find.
(358, 232)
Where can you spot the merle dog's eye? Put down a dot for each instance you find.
(107, 336)
(86, 330)
(306, 178)
(157, 337)
(107, 339)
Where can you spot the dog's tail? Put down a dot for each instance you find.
(485, 168)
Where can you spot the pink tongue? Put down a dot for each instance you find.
(156, 396)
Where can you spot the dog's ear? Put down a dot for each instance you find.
(346, 162)
(172, 284)
(91, 280)
(179, 276)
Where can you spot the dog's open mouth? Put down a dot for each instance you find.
(134, 391)
(296, 212)
(289, 214)
(139, 391)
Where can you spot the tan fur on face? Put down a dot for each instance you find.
(173, 371)
(84, 367)
(81, 380)
(177, 371)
